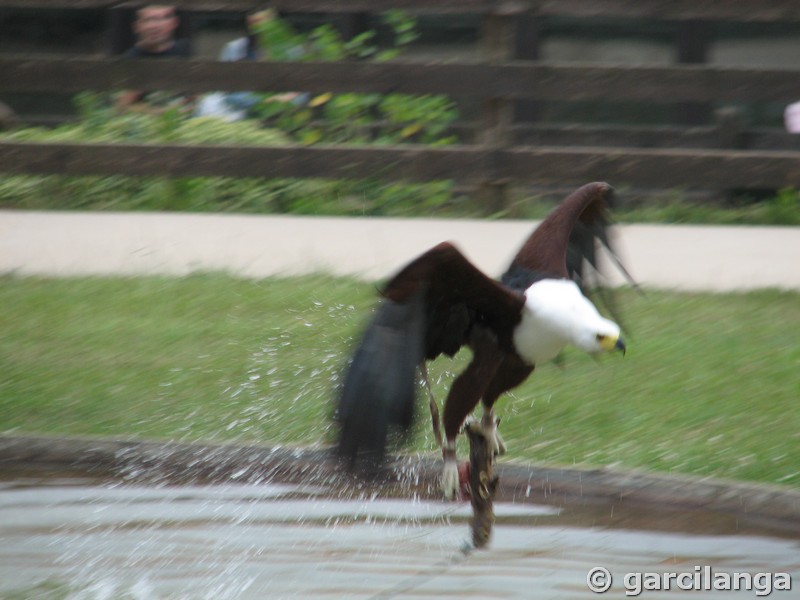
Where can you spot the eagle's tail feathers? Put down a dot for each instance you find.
(379, 390)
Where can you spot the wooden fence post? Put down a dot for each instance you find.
(119, 29)
(528, 46)
(729, 128)
(351, 24)
(499, 41)
(693, 43)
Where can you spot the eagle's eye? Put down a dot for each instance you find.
(600, 338)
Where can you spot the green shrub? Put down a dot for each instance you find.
(208, 194)
(348, 118)
(783, 209)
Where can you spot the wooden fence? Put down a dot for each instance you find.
(681, 10)
(503, 154)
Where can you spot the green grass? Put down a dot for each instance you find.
(673, 207)
(709, 386)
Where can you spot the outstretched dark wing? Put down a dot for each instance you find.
(567, 244)
(591, 233)
(428, 308)
(558, 246)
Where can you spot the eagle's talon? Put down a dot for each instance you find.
(494, 440)
(450, 480)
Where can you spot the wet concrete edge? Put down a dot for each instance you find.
(143, 460)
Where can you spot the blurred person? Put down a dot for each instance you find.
(237, 105)
(155, 27)
(249, 46)
(791, 117)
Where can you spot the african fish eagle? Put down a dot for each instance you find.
(440, 302)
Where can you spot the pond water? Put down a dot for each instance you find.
(78, 537)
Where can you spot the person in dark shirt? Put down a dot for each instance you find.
(155, 28)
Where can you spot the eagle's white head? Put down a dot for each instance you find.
(556, 314)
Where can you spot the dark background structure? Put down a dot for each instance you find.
(647, 93)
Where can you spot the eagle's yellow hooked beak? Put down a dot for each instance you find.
(610, 343)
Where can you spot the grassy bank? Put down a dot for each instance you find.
(709, 385)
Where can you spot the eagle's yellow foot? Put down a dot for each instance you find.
(493, 438)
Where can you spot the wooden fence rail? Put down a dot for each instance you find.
(507, 80)
(546, 166)
(679, 10)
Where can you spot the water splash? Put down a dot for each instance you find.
(94, 541)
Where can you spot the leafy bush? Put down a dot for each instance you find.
(139, 128)
(216, 194)
(784, 208)
(343, 118)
